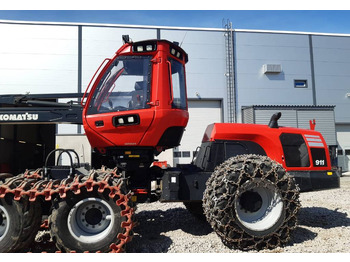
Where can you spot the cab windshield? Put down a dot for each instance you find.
(125, 86)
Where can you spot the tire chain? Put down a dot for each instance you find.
(31, 185)
(228, 178)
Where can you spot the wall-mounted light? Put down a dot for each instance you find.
(347, 94)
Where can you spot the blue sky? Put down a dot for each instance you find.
(324, 21)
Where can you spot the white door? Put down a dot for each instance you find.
(341, 159)
(343, 139)
(346, 159)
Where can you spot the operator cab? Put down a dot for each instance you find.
(138, 99)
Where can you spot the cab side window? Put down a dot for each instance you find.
(178, 85)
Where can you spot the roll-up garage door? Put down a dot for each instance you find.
(202, 113)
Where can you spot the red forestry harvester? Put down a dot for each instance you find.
(245, 178)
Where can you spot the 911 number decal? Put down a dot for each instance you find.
(319, 162)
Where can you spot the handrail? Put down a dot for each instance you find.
(170, 83)
(61, 152)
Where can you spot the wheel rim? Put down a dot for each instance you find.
(4, 222)
(259, 205)
(90, 220)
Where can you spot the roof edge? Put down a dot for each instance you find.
(289, 106)
(288, 32)
(108, 25)
(170, 28)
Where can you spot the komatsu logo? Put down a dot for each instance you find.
(19, 117)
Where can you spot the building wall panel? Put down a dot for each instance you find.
(292, 52)
(332, 73)
(38, 58)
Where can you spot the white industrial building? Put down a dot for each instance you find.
(306, 75)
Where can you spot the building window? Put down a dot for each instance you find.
(182, 153)
(177, 154)
(186, 154)
(300, 83)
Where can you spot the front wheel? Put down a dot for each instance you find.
(251, 203)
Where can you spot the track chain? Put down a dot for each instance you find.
(224, 187)
(32, 185)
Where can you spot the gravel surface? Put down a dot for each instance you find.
(324, 227)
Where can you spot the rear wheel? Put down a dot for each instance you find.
(251, 203)
(86, 222)
(11, 224)
(92, 219)
(31, 225)
(19, 219)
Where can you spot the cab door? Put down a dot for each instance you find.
(118, 112)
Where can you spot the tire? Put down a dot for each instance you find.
(31, 225)
(19, 221)
(251, 203)
(11, 224)
(89, 221)
(196, 209)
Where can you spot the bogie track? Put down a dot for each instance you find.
(108, 223)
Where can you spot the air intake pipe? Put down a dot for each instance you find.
(274, 120)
